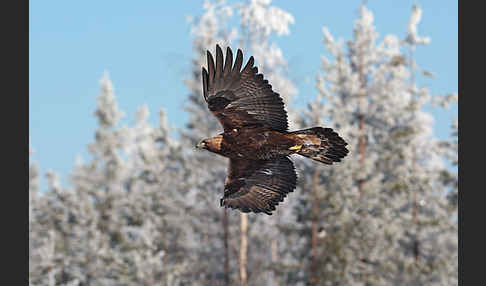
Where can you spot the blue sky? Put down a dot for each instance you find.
(146, 47)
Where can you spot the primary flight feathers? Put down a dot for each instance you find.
(252, 99)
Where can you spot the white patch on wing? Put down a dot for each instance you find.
(267, 172)
(310, 140)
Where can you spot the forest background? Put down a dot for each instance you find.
(138, 205)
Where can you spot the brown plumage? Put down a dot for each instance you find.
(255, 136)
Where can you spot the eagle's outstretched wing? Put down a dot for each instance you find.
(258, 185)
(241, 98)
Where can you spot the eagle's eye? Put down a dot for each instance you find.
(201, 145)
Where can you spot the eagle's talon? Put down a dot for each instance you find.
(296, 147)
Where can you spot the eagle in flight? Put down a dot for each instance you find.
(256, 138)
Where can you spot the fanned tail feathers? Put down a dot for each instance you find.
(321, 144)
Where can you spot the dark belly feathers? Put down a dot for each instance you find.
(256, 143)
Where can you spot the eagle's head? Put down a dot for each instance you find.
(212, 144)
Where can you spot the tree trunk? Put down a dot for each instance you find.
(274, 277)
(243, 248)
(362, 138)
(315, 220)
(274, 250)
(226, 248)
(166, 254)
(362, 147)
(416, 249)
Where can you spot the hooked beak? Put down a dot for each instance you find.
(201, 145)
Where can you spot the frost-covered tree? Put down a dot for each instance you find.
(33, 184)
(258, 20)
(39, 248)
(120, 224)
(368, 228)
(205, 173)
(450, 178)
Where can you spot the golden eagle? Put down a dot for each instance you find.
(255, 136)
